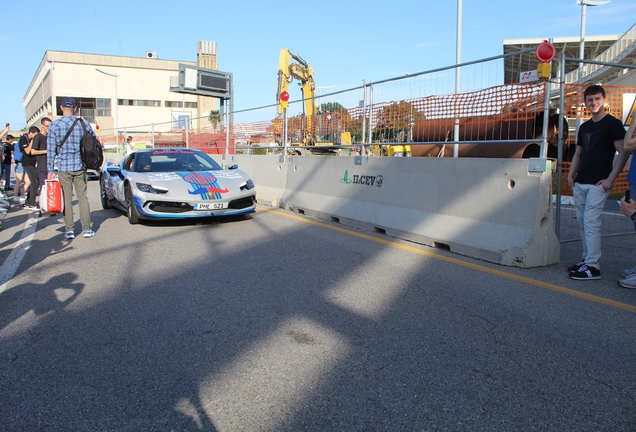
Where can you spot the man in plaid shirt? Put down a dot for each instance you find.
(66, 163)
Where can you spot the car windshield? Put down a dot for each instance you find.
(170, 160)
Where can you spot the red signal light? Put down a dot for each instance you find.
(545, 52)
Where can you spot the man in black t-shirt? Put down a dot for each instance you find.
(592, 175)
(28, 162)
(6, 162)
(4, 132)
(39, 151)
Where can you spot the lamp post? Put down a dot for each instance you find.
(458, 79)
(114, 75)
(584, 4)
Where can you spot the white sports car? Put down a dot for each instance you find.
(175, 183)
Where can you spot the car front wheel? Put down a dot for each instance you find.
(106, 204)
(131, 210)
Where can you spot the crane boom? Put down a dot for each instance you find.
(303, 72)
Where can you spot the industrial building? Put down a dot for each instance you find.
(616, 48)
(120, 95)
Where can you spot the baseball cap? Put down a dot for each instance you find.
(68, 102)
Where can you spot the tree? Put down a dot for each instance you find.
(257, 150)
(395, 120)
(214, 118)
(330, 107)
(355, 128)
(331, 120)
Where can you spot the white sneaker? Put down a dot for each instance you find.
(628, 282)
(629, 272)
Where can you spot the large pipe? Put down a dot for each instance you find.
(487, 129)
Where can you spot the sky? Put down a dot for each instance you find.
(344, 41)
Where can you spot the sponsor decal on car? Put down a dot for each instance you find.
(161, 176)
(204, 184)
(228, 174)
(171, 151)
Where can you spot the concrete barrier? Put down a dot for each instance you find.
(491, 209)
(271, 172)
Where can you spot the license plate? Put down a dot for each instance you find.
(210, 206)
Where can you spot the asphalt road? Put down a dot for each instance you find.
(278, 322)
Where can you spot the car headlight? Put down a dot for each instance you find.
(249, 184)
(144, 187)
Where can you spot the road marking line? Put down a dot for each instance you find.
(14, 259)
(535, 282)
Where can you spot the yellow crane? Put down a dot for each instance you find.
(299, 69)
(304, 73)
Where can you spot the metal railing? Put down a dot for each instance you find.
(624, 46)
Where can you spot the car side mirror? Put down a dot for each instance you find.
(115, 170)
(232, 167)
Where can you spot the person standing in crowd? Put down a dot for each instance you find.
(3, 145)
(592, 175)
(7, 156)
(66, 162)
(28, 162)
(130, 147)
(39, 151)
(628, 277)
(5, 131)
(21, 180)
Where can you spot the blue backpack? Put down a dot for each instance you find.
(17, 151)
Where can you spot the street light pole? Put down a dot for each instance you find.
(584, 4)
(114, 75)
(458, 60)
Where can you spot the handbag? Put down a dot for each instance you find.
(51, 197)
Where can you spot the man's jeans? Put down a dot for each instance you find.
(589, 203)
(6, 173)
(76, 179)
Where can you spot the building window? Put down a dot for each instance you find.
(139, 102)
(86, 107)
(103, 107)
(179, 104)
